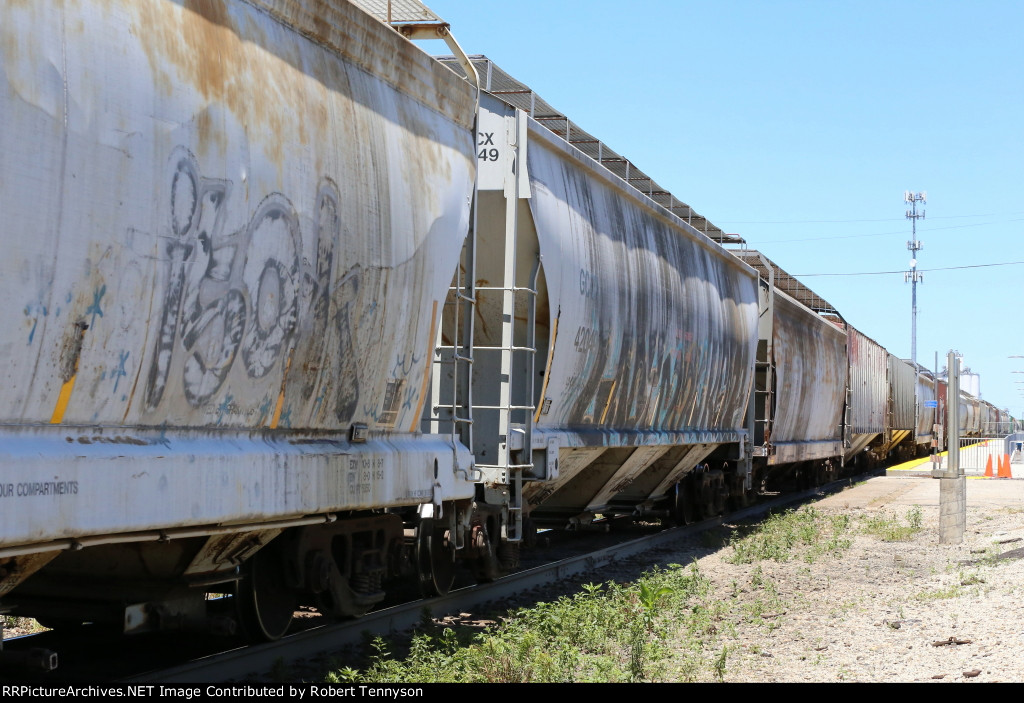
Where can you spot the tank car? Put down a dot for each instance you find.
(229, 228)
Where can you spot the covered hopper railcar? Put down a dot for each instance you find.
(798, 404)
(228, 229)
(651, 364)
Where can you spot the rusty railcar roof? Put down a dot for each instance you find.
(785, 282)
(500, 84)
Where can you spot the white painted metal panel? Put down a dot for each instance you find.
(228, 217)
(901, 392)
(810, 377)
(868, 385)
(105, 484)
(656, 324)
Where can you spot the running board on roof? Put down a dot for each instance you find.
(495, 81)
(414, 20)
(783, 281)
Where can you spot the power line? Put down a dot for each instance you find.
(883, 219)
(885, 273)
(882, 234)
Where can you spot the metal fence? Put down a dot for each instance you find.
(978, 454)
(1015, 448)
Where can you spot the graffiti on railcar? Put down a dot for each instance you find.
(319, 292)
(243, 293)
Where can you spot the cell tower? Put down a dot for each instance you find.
(913, 276)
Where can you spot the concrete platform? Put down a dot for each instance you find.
(909, 490)
(973, 462)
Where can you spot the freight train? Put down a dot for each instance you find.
(299, 311)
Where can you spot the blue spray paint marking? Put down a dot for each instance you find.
(162, 439)
(36, 309)
(224, 408)
(67, 301)
(400, 365)
(370, 310)
(286, 418)
(120, 372)
(94, 309)
(265, 407)
(410, 394)
(318, 402)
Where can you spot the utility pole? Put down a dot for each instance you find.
(913, 276)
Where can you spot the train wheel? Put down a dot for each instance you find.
(721, 493)
(435, 559)
(712, 494)
(739, 497)
(703, 500)
(820, 475)
(264, 603)
(682, 505)
(486, 567)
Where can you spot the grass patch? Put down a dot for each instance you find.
(607, 633)
(971, 579)
(670, 624)
(890, 528)
(953, 590)
(767, 605)
(806, 533)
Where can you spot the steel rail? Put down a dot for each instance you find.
(243, 662)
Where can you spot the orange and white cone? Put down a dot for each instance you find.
(1004, 466)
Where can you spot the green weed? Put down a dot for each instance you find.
(953, 590)
(606, 633)
(806, 533)
(889, 528)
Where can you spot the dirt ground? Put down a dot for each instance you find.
(909, 610)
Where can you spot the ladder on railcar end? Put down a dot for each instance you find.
(453, 353)
(762, 397)
(890, 412)
(509, 394)
(515, 421)
(764, 406)
(845, 432)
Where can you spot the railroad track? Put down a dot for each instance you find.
(252, 661)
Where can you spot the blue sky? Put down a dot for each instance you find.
(799, 125)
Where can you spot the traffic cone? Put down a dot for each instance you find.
(1004, 466)
(988, 467)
